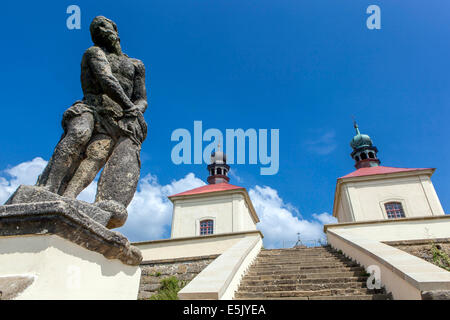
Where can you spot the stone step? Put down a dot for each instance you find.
(294, 281)
(304, 293)
(348, 297)
(268, 272)
(323, 248)
(300, 258)
(297, 275)
(306, 264)
(299, 270)
(307, 274)
(290, 252)
(293, 259)
(298, 254)
(293, 252)
(303, 287)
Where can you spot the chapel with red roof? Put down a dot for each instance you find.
(376, 192)
(216, 208)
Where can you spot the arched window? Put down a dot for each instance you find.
(357, 158)
(394, 210)
(206, 227)
(371, 155)
(363, 156)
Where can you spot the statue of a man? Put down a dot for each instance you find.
(106, 127)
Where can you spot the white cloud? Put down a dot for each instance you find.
(280, 221)
(150, 212)
(233, 174)
(24, 173)
(27, 173)
(325, 218)
(323, 144)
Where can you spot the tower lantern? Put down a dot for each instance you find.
(218, 169)
(364, 152)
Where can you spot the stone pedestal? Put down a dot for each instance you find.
(49, 250)
(108, 213)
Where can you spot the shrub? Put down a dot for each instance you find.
(169, 289)
(440, 258)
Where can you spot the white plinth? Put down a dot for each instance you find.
(64, 270)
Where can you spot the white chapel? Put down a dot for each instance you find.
(375, 192)
(216, 208)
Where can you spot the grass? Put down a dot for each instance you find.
(169, 289)
(440, 258)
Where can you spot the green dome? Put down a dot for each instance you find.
(360, 140)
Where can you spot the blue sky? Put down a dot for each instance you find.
(304, 67)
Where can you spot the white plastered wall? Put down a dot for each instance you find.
(363, 200)
(176, 248)
(221, 278)
(63, 270)
(403, 274)
(229, 213)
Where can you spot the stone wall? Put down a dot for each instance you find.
(184, 269)
(422, 248)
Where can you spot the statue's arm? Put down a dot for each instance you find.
(99, 65)
(139, 97)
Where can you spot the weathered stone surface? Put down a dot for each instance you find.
(30, 194)
(144, 295)
(436, 295)
(153, 273)
(424, 249)
(60, 218)
(106, 128)
(120, 176)
(11, 287)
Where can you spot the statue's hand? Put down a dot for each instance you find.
(132, 112)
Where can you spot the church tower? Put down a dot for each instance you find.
(375, 192)
(215, 208)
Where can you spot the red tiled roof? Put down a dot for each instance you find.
(208, 188)
(379, 170)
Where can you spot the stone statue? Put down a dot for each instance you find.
(106, 128)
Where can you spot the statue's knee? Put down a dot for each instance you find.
(80, 129)
(99, 150)
(81, 135)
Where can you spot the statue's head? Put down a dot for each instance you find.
(104, 32)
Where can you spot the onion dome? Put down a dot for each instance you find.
(218, 169)
(364, 152)
(360, 140)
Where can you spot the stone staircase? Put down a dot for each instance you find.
(318, 273)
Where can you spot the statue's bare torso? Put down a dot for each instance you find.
(122, 68)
